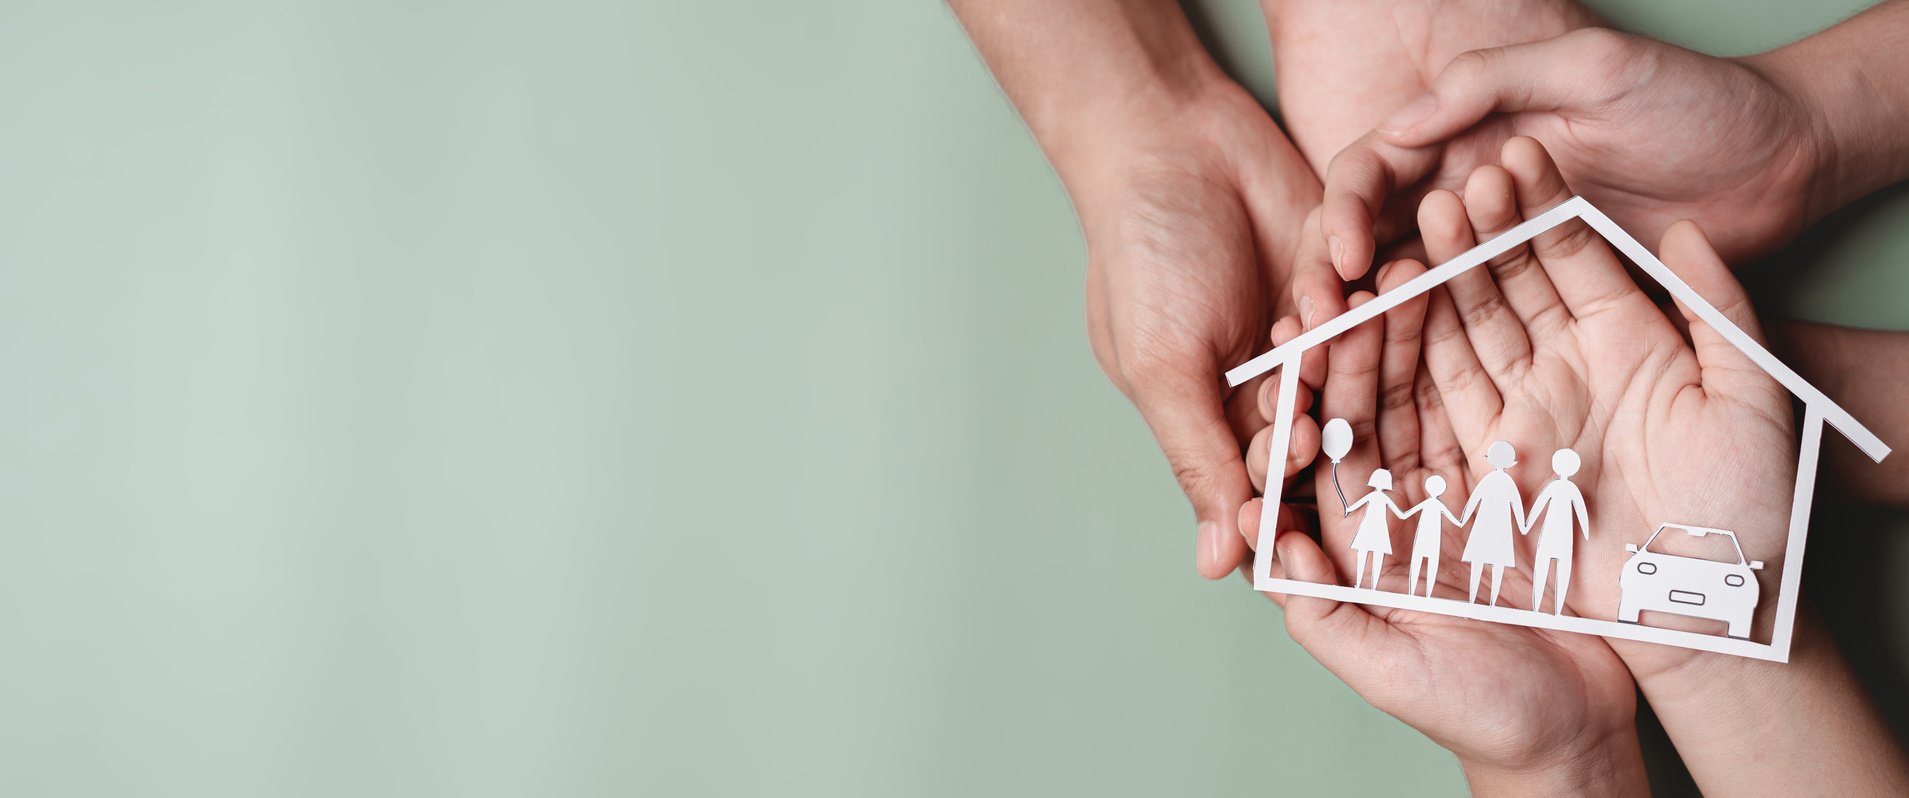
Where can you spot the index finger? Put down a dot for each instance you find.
(1359, 182)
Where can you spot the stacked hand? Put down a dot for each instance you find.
(1649, 132)
(1204, 223)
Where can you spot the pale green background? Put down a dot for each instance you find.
(608, 398)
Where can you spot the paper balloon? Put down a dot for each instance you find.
(1336, 439)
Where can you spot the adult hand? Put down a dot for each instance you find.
(1650, 132)
(1190, 234)
(1344, 64)
(1191, 200)
(1526, 711)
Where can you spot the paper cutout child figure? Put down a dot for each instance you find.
(1494, 510)
(1375, 535)
(1560, 502)
(1432, 515)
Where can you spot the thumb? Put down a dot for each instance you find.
(1726, 368)
(1193, 432)
(1352, 643)
(1540, 76)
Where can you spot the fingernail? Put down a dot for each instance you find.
(1338, 248)
(1305, 311)
(1409, 116)
(1209, 540)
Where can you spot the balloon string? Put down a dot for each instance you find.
(1347, 511)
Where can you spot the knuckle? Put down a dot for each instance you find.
(1485, 310)
(1398, 397)
(1363, 429)
(1600, 40)
(1513, 265)
(1192, 474)
(1430, 402)
(1470, 65)
(1570, 241)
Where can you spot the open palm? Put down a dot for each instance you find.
(1563, 350)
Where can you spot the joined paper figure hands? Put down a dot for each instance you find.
(1496, 505)
(1490, 544)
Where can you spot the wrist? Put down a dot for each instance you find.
(1102, 137)
(1850, 121)
(1812, 710)
(1611, 766)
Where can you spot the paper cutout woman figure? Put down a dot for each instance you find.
(1494, 510)
(1432, 515)
(1560, 502)
(1375, 534)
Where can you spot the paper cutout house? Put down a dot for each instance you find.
(1818, 409)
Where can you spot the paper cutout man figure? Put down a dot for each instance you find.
(1494, 510)
(1375, 535)
(1432, 515)
(1560, 502)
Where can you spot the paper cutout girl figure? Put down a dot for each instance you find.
(1432, 515)
(1494, 510)
(1375, 535)
(1560, 502)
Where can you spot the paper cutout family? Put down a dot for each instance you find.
(1652, 579)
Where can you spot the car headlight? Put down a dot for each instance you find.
(1733, 580)
(1647, 567)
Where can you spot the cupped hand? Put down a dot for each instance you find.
(1557, 347)
(1524, 709)
(1649, 132)
(1191, 222)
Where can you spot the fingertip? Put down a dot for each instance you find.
(1524, 156)
(1490, 187)
(1683, 235)
(1249, 521)
(1352, 256)
(1399, 272)
(1441, 211)
(1303, 445)
(1219, 544)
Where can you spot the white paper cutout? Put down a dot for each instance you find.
(1495, 508)
(1430, 533)
(1692, 586)
(1335, 439)
(1818, 409)
(1375, 533)
(1561, 504)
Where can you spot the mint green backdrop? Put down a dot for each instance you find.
(597, 398)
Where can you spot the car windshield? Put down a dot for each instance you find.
(1703, 544)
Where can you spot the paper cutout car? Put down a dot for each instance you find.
(1716, 590)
